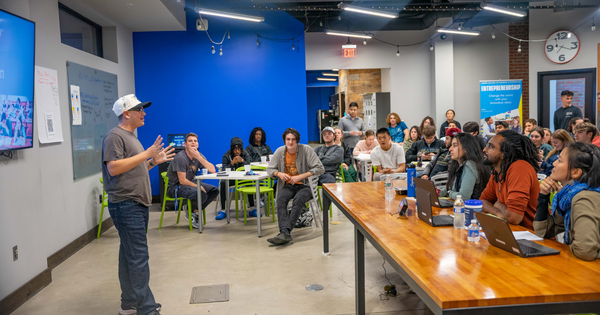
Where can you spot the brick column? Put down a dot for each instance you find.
(518, 63)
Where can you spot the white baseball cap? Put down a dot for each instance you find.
(128, 102)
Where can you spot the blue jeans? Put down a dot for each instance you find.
(131, 219)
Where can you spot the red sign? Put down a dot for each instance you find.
(349, 52)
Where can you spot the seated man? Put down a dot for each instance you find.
(585, 132)
(258, 145)
(513, 190)
(233, 159)
(426, 148)
(331, 156)
(473, 128)
(530, 124)
(439, 163)
(388, 157)
(292, 164)
(181, 173)
(501, 126)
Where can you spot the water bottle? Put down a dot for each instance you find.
(389, 189)
(411, 173)
(459, 213)
(474, 232)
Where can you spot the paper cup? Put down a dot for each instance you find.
(247, 168)
(227, 170)
(263, 159)
(204, 171)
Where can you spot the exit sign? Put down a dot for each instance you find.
(349, 52)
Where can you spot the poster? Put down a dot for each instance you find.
(75, 105)
(47, 106)
(500, 101)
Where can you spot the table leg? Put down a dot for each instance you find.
(325, 228)
(199, 201)
(359, 269)
(227, 200)
(257, 203)
(364, 168)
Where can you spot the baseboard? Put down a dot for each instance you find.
(62, 254)
(12, 301)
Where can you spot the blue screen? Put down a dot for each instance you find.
(17, 51)
(176, 141)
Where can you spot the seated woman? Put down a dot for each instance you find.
(548, 136)
(348, 169)
(414, 135)
(574, 218)
(397, 128)
(446, 124)
(467, 176)
(537, 137)
(427, 121)
(560, 139)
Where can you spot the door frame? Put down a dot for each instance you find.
(592, 96)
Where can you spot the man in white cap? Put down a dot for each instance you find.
(125, 172)
(331, 156)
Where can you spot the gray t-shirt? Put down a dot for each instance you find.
(182, 163)
(132, 185)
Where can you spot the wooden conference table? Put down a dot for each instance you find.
(454, 276)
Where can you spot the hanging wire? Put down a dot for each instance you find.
(209, 38)
(307, 26)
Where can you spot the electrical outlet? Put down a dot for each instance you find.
(15, 253)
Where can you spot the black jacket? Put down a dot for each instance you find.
(227, 157)
(443, 128)
(347, 154)
(255, 151)
(422, 146)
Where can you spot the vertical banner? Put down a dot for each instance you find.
(501, 101)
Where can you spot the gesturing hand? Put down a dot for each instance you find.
(164, 155)
(155, 148)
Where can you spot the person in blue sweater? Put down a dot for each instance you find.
(397, 127)
(560, 139)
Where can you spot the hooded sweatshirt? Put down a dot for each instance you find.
(228, 156)
(255, 151)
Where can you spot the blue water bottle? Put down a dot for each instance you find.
(411, 173)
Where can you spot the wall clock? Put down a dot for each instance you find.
(562, 47)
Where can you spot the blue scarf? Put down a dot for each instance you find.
(562, 203)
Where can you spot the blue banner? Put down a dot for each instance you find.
(500, 100)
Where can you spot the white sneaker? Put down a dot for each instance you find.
(195, 221)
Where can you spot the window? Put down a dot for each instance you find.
(79, 32)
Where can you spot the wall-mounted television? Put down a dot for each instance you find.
(17, 54)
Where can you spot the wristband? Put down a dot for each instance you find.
(151, 164)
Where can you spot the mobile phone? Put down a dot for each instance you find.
(402, 208)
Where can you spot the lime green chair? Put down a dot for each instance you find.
(339, 177)
(247, 187)
(104, 205)
(180, 201)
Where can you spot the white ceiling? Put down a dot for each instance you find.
(137, 15)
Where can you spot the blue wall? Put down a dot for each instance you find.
(220, 97)
(317, 98)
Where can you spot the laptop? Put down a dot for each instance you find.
(425, 213)
(428, 185)
(498, 233)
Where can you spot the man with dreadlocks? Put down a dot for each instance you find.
(258, 145)
(513, 190)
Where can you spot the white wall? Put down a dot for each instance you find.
(544, 22)
(477, 58)
(41, 208)
(410, 74)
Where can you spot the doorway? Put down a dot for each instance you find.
(582, 82)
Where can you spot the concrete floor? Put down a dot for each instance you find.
(262, 279)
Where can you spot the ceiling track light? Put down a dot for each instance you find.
(329, 74)
(335, 69)
(327, 79)
(493, 36)
(251, 18)
(459, 26)
(221, 51)
(397, 51)
(362, 10)
(365, 42)
(499, 9)
(213, 50)
(348, 34)
(431, 47)
(471, 33)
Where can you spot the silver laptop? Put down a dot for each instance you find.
(498, 233)
(428, 185)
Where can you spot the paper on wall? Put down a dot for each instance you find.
(75, 105)
(46, 101)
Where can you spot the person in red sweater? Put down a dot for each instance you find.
(513, 189)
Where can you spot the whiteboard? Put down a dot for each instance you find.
(47, 106)
(98, 93)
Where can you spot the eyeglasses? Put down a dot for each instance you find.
(139, 109)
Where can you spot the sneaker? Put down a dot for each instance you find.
(253, 213)
(195, 222)
(280, 239)
(156, 311)
(222, 215)
(127, 309)
(184, 210)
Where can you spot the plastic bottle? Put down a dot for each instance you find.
(459, 213)
(411, 173)
(389, 189)
(473, 235)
